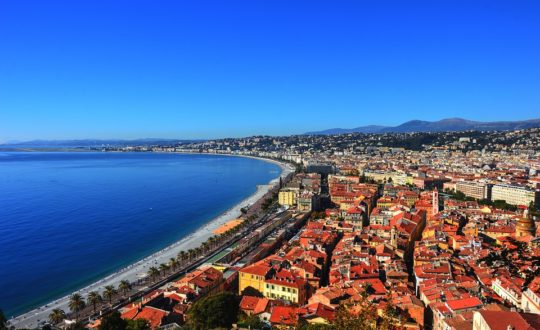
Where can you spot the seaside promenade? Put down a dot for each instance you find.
(137, 273)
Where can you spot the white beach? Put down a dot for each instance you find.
(139, 269)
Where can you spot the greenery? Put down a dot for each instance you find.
(114, 321)
(76, 304)
(3, 321)
(499, 204)
(57, 315)
(93, 299)
(215, 311)
(109, 293)
(250, 321)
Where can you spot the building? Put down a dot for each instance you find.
(525, 226)
(472, 189)
(287, 197)
(494, 320)
(286, 285)
(530, 299)
(515, 195)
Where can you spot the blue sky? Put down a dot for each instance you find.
(203, 69)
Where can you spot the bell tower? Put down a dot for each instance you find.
(435, 202)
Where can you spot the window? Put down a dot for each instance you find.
(283, 288)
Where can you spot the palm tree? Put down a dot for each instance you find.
(163, 268)
(76, 304)
(182, 255)
(93, 299)
(191, 254)
(109, 293)
(212, 241)
(124, 287)
(204, 247)
(153, 272)
(173, 263)
(57, 315)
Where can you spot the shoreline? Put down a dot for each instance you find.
(139, 269)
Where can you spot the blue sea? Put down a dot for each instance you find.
(70, 218)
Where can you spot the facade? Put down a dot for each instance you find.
(287, 197)
(515, 195)
(492, 320)
(472, 189)
(507, 290)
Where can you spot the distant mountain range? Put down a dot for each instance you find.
(93, 143)
(444, 125)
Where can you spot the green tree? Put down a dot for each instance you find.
(93, 299)
(215, 311)
(140, 324)
(153, 272)
(364, 316)
(3, 321)
(173, 263)
(57, 315)
(76, 304)
(109, 293)
(124, 286)
(113, 321)
(250, 321)
(164, 268)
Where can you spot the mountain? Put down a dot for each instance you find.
(92, 143)
(444, 125)
(361, 129)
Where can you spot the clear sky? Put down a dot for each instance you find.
(203, 69)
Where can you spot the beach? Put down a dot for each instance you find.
(140, 268)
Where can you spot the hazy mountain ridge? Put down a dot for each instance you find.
(95, 142)
(443, 125)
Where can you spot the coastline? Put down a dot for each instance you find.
(140, 268)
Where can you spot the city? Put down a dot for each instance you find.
(365, 234)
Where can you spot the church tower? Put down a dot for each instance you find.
(435, 202)
(525, 226)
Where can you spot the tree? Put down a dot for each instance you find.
(109, 293)
(113, 321)
(173, 263)
(93, 299)
(215, 311)
(153, 272)
(164, 268)
(3, 321)
(250, 322)
(76, 304)
(360, 316)
(140, 324)
(182, 255)
(57, 315)
(124, 286)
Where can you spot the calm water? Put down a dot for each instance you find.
(67, 219)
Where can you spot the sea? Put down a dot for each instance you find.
(68, 219)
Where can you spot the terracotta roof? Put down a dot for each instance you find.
(466, 303)
(284, 315)
(500, 320)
